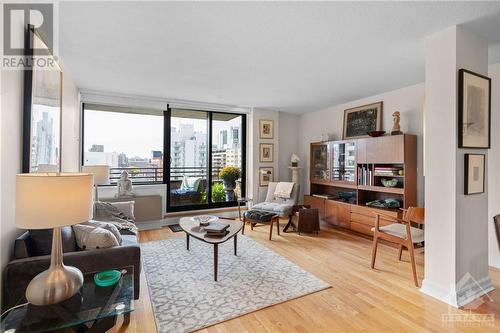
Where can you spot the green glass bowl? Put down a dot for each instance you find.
(389, 182)
(107, 278)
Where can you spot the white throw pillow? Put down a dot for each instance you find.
(108, 226)
(90, 237)
(126, 207)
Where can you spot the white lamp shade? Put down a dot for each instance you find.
(49, 200)
(100, 172)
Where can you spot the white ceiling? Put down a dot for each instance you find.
(294, 57)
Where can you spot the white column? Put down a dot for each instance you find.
(456, 229)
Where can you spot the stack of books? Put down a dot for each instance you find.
(387, 171)
(217, 229)
(365, 176)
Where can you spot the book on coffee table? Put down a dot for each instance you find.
(217, 234)
(216, 227)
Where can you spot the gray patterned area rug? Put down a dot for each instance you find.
(185, 297)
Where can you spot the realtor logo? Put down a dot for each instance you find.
(15, 18)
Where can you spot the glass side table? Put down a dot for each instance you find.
(92, 309)
(242, 201)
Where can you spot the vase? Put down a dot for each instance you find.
(229, 187)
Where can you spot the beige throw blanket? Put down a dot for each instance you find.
(106, 212)
(283, 190)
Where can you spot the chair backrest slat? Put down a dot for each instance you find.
(415, 215)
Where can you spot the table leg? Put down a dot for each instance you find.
(289, 224)
(235, 244)
(126, 319)
(216, 260)
(187, 241)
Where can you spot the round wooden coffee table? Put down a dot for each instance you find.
(192, 228)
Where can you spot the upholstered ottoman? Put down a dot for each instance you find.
(261, 217)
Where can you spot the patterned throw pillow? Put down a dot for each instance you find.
(108, 226)
(90, 237)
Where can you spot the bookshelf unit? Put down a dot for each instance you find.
(346, 175)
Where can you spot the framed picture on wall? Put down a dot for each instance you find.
(266, 129)
(266, 175)
(266, 152)
(361, 120)
(474, 110)
(474, 173)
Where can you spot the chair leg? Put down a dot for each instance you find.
(374, 251)
(278, 225)
(400, 251)
(413, 266)
(243, 228)
(271, 230)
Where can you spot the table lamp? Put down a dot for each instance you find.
(101, 175)
(53, 200)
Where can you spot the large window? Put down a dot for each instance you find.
(198, 145)
(125, 139)
(201, 145)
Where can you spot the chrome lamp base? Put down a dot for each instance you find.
(57, 283)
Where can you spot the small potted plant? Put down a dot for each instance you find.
(229, 175)
(295, 160)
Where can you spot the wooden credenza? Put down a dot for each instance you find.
(355, 171)
(355, 217)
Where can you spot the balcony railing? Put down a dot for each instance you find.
(152, 175)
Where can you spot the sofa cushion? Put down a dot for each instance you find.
(41, 241)
(126, 207)
(399, 230)
(90, 237)
(258, 215)
(274, 207)
(108, 226)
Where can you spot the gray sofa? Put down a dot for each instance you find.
(32, 256)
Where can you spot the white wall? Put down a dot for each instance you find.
(10, 157)
(494, 165)
(253, 164)
(289, 137)
(407, 100)
(70, 152)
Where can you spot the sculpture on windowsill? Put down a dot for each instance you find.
(124, 186)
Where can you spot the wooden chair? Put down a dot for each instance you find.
(401, 232)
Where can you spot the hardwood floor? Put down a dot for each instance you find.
(360, 300)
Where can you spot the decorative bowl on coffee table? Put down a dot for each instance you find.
(204, 220)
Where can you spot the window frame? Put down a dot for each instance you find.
(166, 160)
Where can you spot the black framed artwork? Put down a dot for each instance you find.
(475, 167)
(42, 107)
(361, 120)
(474, 110)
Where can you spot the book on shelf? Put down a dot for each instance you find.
(365, 176)
(323, 196)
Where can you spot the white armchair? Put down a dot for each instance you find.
(280, 206)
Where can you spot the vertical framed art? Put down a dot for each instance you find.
(474, 110)
(474, 173)
(266, 152)
(266, 129)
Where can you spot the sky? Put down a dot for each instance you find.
(134, 134)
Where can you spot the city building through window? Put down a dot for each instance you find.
(198, 146)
